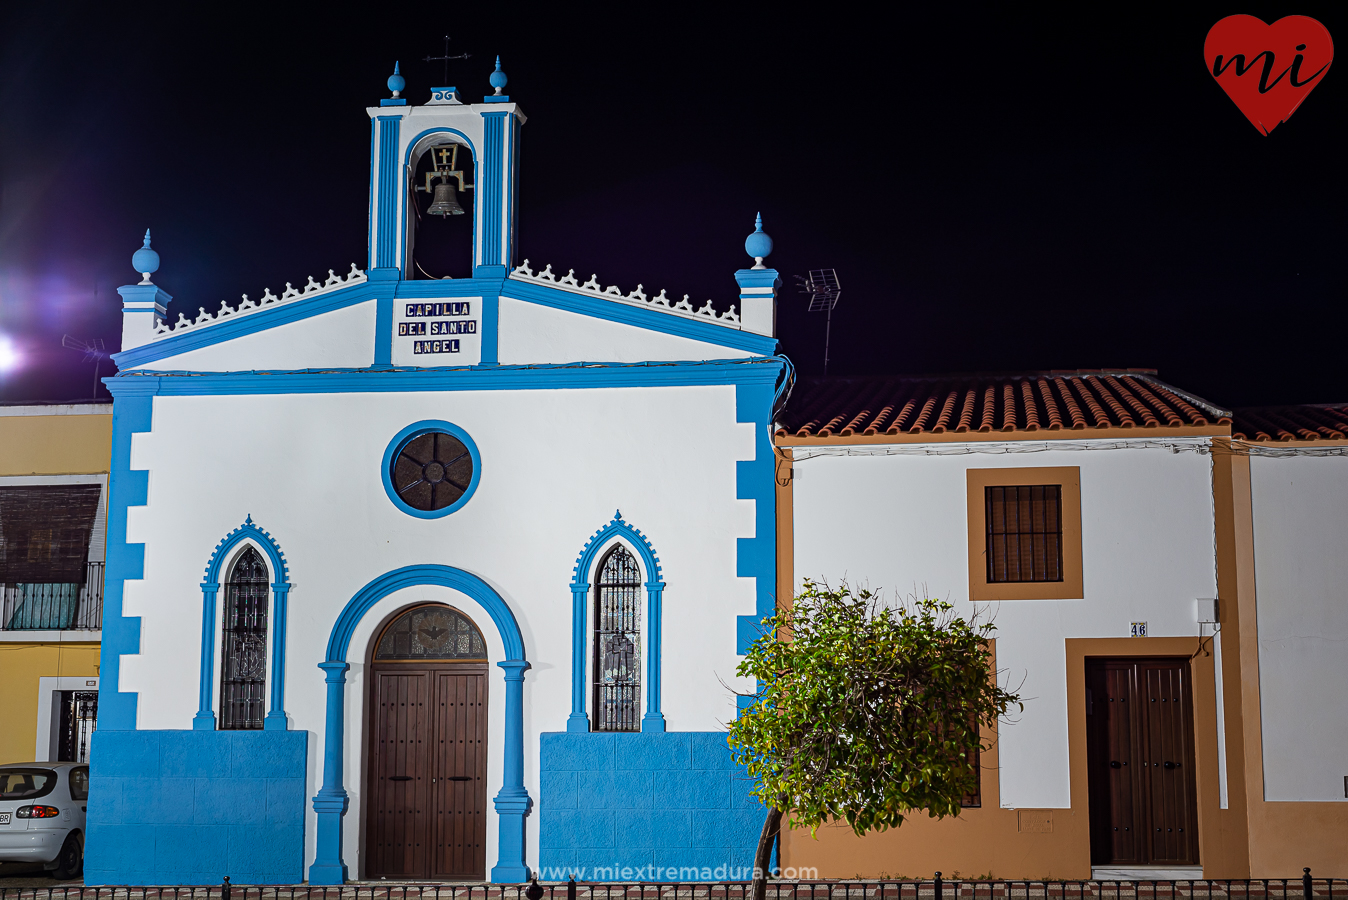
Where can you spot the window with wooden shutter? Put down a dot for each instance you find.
(1025, 533)
(1024, 528)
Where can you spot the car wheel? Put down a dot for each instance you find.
(70, 861)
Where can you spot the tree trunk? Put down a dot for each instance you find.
(763, 858)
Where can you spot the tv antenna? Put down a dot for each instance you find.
(445, 59)
(93, 352)
(824, 291)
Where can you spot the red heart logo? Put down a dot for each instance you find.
(1268, 69)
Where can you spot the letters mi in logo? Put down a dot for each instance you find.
(1268, 70)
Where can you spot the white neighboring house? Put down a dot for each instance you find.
(1134, 544)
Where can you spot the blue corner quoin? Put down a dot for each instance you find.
(188, 807)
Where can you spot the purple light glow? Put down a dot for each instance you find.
(10, 357)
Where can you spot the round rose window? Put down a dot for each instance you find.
(431, 469)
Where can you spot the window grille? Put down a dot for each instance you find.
(54, 607)
(243, 670)
(79, 713)
(1024, 533)
(617, 643)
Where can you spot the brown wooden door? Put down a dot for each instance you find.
(1140, 761)
(461, 783)
(426, 781)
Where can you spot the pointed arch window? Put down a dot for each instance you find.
(243, 658)
(617, 643)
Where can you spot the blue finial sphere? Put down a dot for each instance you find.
(145, 260)
(498, 78)
(758, 245)
(396, 82)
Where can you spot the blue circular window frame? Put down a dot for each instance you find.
(415, 431)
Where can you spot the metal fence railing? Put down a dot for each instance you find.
(54, 607)
(1304, 888)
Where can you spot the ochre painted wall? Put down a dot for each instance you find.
(1283, 836)
(21, 665)
(1034, 843)
(55, 445)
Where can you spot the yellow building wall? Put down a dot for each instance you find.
(72, 444)
(55, 445)
(21, 665)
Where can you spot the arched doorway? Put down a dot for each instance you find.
(426, 747)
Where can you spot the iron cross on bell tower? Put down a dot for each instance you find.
(446, 58)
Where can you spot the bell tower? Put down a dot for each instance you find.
(465, 157)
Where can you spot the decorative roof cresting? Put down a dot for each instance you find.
(312, 288)
(758, 245)
(145, 260)
(659, 302)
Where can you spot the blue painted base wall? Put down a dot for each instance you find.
(188, 807)
(645, 807)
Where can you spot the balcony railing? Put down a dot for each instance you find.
(54, 607)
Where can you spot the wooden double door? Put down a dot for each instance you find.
(1140, 758)
(426, 784)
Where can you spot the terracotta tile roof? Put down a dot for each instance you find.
(1327, 422)
(1078, 400)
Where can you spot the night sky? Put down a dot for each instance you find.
(998, 189)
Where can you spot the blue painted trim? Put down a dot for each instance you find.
(496, 98)
(302, 309)
(487, 284)
(491, 193)
(513, 802)
(410, 576)
(386, 237)
(758, 278)
(407, 153)
(275, 720)
(578, 376)
(370, 221)
(512, 175)
(616, 530)
(242, 326)
(756, 557)
(383, 331)
(650, 319)
(132, 413)
(416, 430)
(331, 802)
(392, 102)
(491, 329)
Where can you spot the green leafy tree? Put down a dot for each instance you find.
(864, 712)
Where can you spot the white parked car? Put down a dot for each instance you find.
(42, 808)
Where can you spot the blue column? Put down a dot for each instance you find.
(653, 720)
(389, 189)
(513, 802)
(578, 721)
(331, 801)
(276, 716)
(204, 720)
(491, 200)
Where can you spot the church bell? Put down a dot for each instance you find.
(445, 201)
